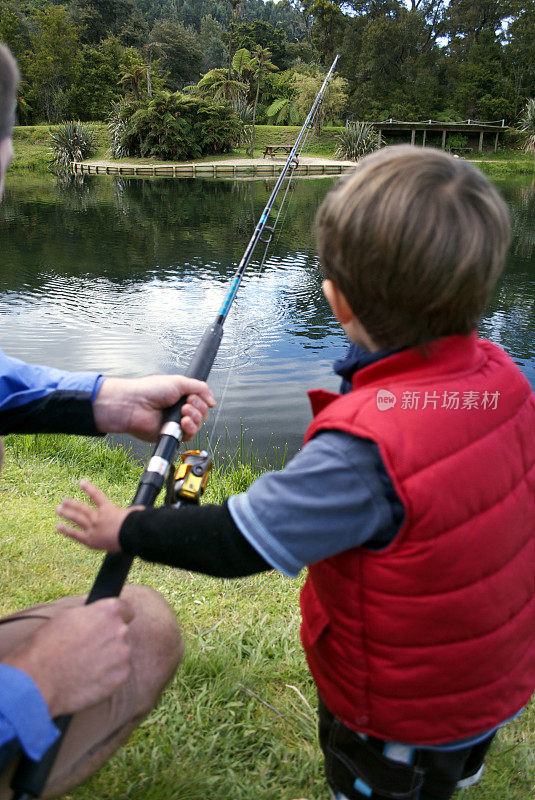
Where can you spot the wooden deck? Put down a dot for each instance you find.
(220, 169)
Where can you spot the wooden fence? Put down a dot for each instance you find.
(222, 170)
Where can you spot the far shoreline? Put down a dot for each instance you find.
(33, 156)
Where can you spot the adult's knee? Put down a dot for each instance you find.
(156, 641)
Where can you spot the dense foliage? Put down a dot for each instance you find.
(405, 59)
(174, 126)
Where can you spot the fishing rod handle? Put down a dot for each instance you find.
(116, 566)
(30, 778)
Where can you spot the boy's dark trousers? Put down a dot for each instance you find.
(356, 767)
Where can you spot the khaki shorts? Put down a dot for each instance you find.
(89, 730)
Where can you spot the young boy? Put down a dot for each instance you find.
(412, 501)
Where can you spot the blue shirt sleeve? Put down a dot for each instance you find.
(24, 714)
(333, 495)
(22, 383)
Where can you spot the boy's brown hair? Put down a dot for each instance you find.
(9, 78)
(416, 240)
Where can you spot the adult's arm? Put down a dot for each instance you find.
(40, 399)
(32, 730)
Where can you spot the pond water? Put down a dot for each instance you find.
(123, 275)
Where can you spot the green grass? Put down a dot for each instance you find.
(238, 721)
(32, 149)
(32, 146)
(496, 168)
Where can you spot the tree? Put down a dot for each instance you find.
(307, 86)
(175, 126)
(212, 43)
(285, 111)
(519, 62)
(281, 98)
(216, 85)
(249, 35)
(95, 86)
(468, 19)
(259, 65)
(51, 67)
(236, 6)
(477, 75)
(102, 18)
(180, 50)
(133, 74)
(329, 25)
(397, 68)
(14, 31)
(527, 125)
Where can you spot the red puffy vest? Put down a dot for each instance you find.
(433, 638)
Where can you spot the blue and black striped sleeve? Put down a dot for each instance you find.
(40, 399)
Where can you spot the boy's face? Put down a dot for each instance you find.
(6, 157)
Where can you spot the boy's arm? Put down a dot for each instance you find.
(199, 538)
(333, 496)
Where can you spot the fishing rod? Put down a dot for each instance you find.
(31, 776)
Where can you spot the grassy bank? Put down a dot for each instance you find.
(32, 149)
(32, 145)
(238, 720)
(507, 165)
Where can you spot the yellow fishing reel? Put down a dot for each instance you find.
(186, 483)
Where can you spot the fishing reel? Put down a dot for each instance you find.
(186, 482)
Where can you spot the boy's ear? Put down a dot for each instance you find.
(337, 301)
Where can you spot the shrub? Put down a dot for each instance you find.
(244, 112)
(527, 125)
(456, 141)
(174, 126)
(117, 122)
(356, 140)
(72, 141)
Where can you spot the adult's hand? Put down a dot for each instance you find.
(79, 657)
(134, 405)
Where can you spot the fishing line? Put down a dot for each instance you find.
(259, 272)
(291, 183)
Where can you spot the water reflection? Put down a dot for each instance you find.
(123, 275)
(510, 318)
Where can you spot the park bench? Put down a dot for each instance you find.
(271, 149)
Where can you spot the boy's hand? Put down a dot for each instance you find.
(98, 528)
